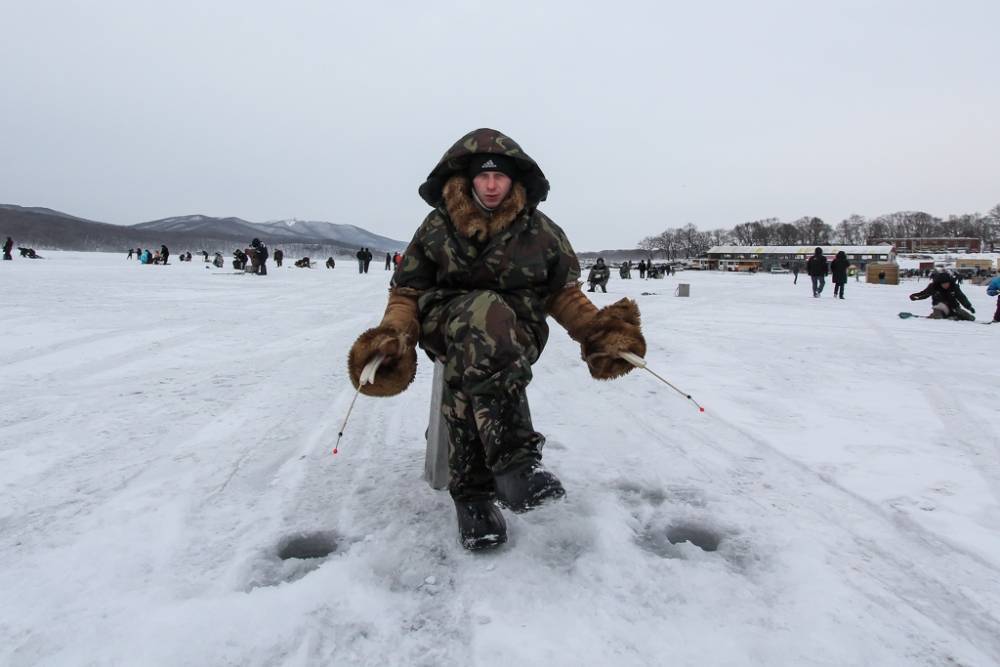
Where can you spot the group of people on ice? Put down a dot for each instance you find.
(947, 298)
(146, 256)
(253, 259)
(600, 273)
(818, 269)
(365, 256)
(28, 253)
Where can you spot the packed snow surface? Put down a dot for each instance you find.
(166, 437)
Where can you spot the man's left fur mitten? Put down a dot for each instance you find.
(603, 333)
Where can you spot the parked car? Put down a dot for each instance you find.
(779, 269)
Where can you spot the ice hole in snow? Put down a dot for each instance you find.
(308, 545)
(700, 537)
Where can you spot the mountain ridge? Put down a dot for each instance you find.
(46, 228)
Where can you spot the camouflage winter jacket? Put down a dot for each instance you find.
(599, 273)
(517, 251)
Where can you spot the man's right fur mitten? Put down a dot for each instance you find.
(396, 338)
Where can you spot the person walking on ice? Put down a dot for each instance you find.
(817, 269)
(479, 278)
(838, 270)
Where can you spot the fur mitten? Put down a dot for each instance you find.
(603, 333)
(614, 329)
(398, 369)
(396, 338)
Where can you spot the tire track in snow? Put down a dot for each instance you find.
(32, 354)
(114, 349)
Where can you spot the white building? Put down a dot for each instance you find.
(763, 257)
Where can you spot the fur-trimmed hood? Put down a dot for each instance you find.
(485, 140)
(470, 219)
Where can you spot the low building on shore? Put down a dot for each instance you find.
(954, 244)
(766, 257)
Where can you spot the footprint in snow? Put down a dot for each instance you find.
(635, 494)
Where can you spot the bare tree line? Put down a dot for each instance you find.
(688, 241)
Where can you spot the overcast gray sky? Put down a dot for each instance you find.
(644, 115)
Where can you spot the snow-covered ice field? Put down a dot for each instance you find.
(165, 431)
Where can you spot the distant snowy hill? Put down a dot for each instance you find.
(39, 210)
(283, 231)
(45, 228)
(351, 235)
(201, 224)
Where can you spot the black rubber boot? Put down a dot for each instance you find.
(480, 524)
(527, 487)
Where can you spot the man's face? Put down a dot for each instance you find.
(946, 285)
(491, 187)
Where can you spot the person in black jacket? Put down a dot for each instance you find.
(838, 270)
(261, 252)
(817, 269)
(947, 298)
(164, 254)
(240, 259)
(8, 245)
(279, 255)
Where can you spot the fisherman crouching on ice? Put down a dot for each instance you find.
(947, 298)
(473, 290)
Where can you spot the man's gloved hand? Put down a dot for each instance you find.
(603, 333)
(971, 309)
(396, 371)
(396, 339)
(913, 297)
(613, 329)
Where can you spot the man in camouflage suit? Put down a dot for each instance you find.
(598, 276)
(475, 286)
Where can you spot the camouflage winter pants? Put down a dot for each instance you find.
(487, 359)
